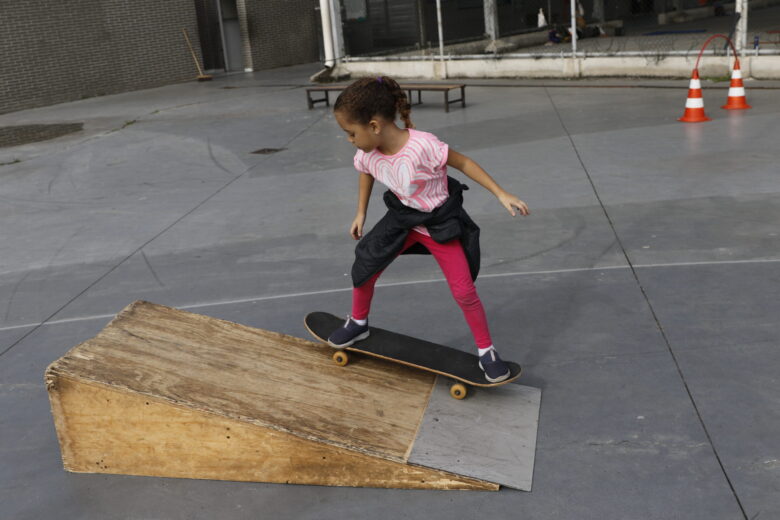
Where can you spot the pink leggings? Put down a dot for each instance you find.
(453, 263)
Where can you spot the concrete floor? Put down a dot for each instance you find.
(640, 295)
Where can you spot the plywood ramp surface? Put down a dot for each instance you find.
(254, 376)
(109, 431)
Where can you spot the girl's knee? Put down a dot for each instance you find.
(466, 297)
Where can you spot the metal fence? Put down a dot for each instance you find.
(457, 29)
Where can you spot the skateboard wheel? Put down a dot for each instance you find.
(458, 391)
(341, 358)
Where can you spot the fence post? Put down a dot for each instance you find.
(574, 27)
(441, 37)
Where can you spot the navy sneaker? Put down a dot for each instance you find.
(348, 334)
(495, 369)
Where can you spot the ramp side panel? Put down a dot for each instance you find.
(257, 376)
(104, 430)
(490, 435)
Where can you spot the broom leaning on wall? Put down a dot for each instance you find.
(201, 76)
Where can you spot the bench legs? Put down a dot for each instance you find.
(447, 100)
(411, 97)
(311, 102)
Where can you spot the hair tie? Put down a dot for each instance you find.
(379, 79)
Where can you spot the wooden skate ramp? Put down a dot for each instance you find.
(163, 392)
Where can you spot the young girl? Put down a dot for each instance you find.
(425, 211)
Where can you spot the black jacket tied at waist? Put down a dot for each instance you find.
(379, 247)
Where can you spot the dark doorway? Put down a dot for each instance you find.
(210, 34)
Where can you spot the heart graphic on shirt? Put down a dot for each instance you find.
(398, 177)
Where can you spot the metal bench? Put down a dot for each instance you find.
(409, 87)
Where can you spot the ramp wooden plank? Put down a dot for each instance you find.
(104, 430)
(254, 376)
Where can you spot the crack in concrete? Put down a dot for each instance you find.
(149, 265)
(651, 309)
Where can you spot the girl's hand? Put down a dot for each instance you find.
(356, 229)
(510, 202)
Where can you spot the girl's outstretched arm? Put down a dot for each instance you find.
(366, 184)
(475, 172)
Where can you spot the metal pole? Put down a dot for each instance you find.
(421, 22)
(574, 27)
(327, 32)
(538, 55)
(441, 30)
(338, 32)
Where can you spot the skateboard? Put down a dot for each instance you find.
(456, 365)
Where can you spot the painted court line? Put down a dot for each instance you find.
(398, 284)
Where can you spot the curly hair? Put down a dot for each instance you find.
(369, 97)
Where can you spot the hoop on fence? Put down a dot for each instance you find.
(703, 47)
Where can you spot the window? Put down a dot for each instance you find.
(356, 9)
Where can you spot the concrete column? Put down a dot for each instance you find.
(740, 33)
(491, 19)
(243, 23)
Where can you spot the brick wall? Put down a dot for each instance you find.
(54, 51)
(282, 32)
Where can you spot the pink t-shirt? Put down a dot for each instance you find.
(417, 173)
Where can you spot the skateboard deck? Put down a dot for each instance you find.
(406, 350)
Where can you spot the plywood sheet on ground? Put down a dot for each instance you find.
(491, 435)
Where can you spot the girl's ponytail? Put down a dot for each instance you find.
(380, 95)
(402, 105)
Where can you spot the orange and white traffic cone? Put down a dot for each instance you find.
(694, 105)
(737, 99)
